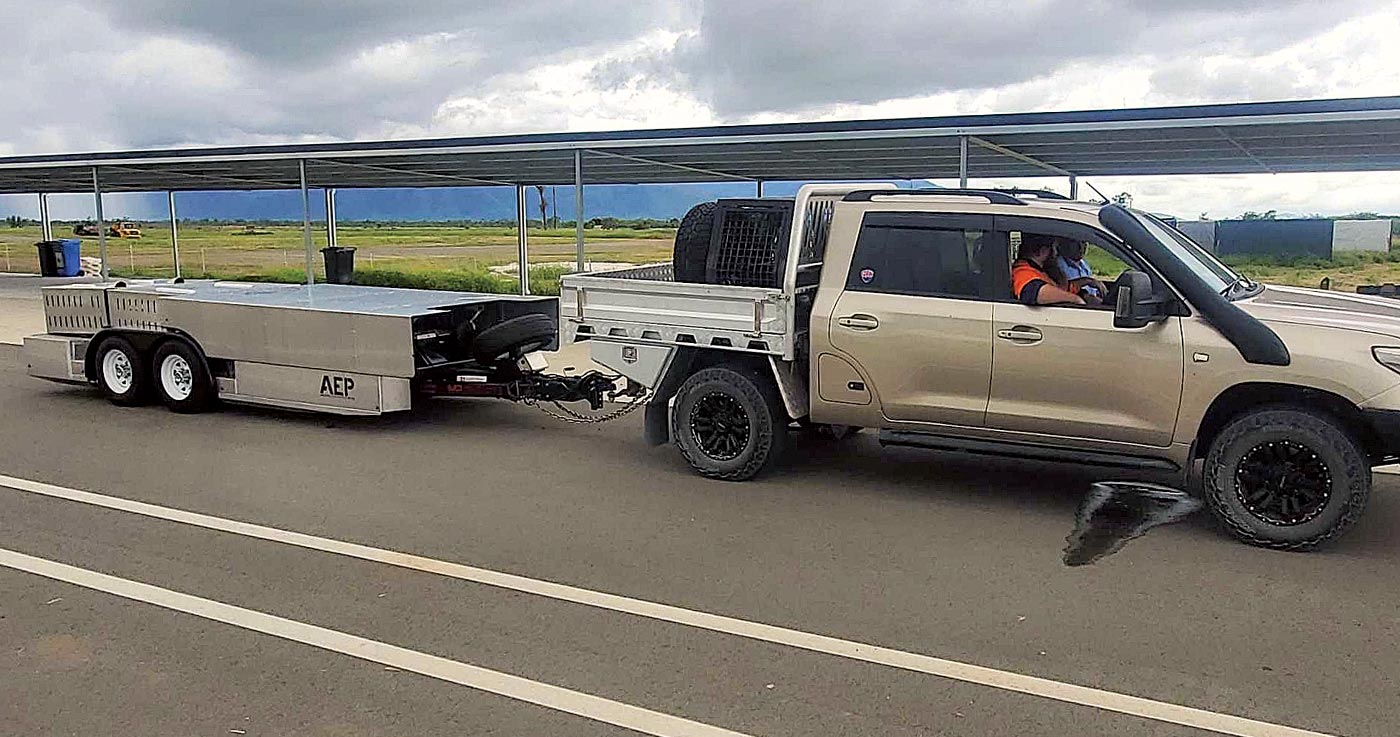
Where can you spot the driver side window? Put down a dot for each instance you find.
(1083, 261)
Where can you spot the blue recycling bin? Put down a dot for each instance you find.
(69, 257)
(62, 257)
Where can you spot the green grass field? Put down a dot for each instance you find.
(456, 257)
(436, 256)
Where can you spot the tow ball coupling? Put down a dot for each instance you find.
(532, 363)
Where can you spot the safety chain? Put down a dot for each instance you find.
(567, 415)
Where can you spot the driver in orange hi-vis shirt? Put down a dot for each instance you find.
(1030, 281)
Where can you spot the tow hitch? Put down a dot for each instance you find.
(524, 382)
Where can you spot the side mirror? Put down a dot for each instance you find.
(1136, 305)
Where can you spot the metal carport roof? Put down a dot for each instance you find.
(1358, 134)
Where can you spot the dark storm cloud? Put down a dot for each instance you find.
(86, 74)
(212, 71)
(512, 33)
(785, 55)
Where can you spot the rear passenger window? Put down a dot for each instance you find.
(894, 257)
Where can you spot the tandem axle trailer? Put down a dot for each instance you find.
(341, 349)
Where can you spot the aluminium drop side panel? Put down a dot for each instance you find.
(652, 311)
(380, 345)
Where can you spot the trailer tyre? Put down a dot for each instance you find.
(692, 250)
(181, 379)
(729, 423)
(121, 371)
(514, 337)
(1286, 478)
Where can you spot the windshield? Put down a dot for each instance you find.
(1219, 276)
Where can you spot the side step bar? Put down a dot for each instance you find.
(1023, 450)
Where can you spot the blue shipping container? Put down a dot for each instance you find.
(1311, 237)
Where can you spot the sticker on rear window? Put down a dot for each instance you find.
(867, 275)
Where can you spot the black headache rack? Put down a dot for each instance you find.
(749, 242)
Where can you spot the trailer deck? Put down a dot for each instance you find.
(327, 347)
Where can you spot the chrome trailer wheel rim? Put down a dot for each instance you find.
(117, 372)
(176, 377)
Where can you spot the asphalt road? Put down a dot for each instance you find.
(925, 553)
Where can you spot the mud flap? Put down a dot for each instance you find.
(656, 425)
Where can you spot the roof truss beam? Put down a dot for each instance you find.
(411, 173)
(1004, 151)
(655, 162)
(206, 177)
(1226, 135)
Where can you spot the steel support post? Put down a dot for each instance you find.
(578, 209)
(759, 188)
(101, 224)
(522, 222)
(45, 225)
(1073, 187)
(962, 162)
(306, 224)
(331, 239)
(174, 233)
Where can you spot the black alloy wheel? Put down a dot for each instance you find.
(720, 425)
(1283, 482)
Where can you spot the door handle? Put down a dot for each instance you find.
(1021, 334)
(858, 322)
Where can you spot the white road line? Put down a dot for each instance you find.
(1006, 680)
(465, 674)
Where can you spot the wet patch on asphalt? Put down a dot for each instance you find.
(1114, 512)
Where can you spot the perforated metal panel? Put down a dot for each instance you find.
(749, 244)
(74, 311)
(133, 310)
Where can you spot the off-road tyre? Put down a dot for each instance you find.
(743, 398)
(514, 337)
(1320, 442)
(121, 372)
(692, 250)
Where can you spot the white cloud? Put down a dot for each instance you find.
(1222, 196)
(257, 71)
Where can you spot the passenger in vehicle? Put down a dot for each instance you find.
(1032, 281)
(1078, 274)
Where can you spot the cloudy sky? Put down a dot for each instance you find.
(116, 74)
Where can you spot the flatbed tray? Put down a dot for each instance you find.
(338, 298)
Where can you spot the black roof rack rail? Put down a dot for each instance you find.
(1044, 194)
(993, 196)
